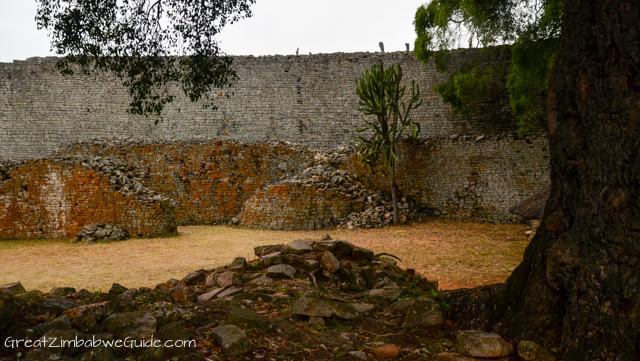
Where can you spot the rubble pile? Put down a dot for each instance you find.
(312, 300)
(95, 233)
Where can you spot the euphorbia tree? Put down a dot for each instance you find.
(386, 116)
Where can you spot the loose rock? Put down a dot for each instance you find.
(232, 340)
(482, 344)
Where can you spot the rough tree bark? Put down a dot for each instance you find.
(579, 282)
(578, 285)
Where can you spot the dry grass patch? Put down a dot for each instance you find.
(456, 253)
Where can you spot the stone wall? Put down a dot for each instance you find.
(306, 99)
(54, 198)
(210, 181)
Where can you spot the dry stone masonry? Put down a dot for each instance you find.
(275, 154)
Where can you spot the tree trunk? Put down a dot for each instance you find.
(579, 282)
(394, 192)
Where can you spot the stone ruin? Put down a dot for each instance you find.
(319, 299)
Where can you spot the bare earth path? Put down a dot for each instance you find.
(456, 253)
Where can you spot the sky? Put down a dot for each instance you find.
(277, 27)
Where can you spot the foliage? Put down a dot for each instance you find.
(532, 27)
(380, 92)
(381, 96)
(147, 44)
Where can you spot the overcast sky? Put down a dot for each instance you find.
(277, 27)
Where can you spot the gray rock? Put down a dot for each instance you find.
(423, 312)
(482, 344)
(57, 305)
(388, 260)
(194, 277)
(60, 323)
(174, 331)
(230, 292)
(324, 246)
(262, 280)
(239, 265)
(135, 325)
(362, 308)
(312, 264)
(211, 280)
(264, 250)
(117, 289)
(400, 305)
(389, 293)
(316, 321)
(86, 318)
(335, 338)
(531, 351)
(62, 341)
(249, 319)
(232, 340)
(298, 246)
(361, 254)
(210, 295)
(14, 288)
(330, 262)
(315, 306)
(359, 355)
(369, 275)
(228, 279)
(271, 259)
(61, 291)
(281, 271)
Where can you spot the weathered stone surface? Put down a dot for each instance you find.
(315, 306)
(531, 351)
(135, 325)
(117, 289)
(271, 259)
(229, 292)
(335, 338)
(298, 246)
(482, 344)
(424, 311)
(387, 351)
(330, 262)
(262, 280)
(86, 318)
(8, 310)
(61, 323)
(358, 355)
(61, 291)
(281, 271)
(211, 280)
(324, 246)
(249, 319)
(264, 250)
(194, 277)
(210, 295)
(57, 340)
(228, 279)
(93, 233)
(362, 308)
(361, 254)
(316, 321)
(174, 331)
(390, 293)
(400, 305)
(14, 288)
(101, 353)
(238, 265)
(57, 305)
(232, 340)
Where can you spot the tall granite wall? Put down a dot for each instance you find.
(210, 162)
(306, 99)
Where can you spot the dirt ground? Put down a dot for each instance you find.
(457, 254)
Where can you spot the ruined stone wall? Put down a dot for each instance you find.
(306, 99)
(297, 206)
(210, 181)
(55, 198)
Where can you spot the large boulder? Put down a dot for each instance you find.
(134, 325)
(232, 340)
(482, 344)
(313, 305)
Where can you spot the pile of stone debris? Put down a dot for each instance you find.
(324, 172)
(124, 177)
(317, 300)
(101, 233)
